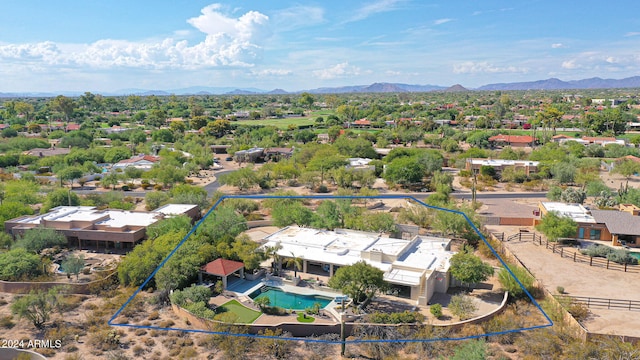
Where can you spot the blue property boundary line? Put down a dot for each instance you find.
(329, 197)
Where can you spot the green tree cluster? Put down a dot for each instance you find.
(359, 281)
(37, 239)
(555, 226)
(19, 264)
(469, 268)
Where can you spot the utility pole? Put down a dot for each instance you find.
(473, 189)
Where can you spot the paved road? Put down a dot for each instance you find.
(213, 187)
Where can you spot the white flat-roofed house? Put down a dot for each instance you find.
(360, 164)
(144, 162)
(84, 224)
(419, 265)
(475, 165)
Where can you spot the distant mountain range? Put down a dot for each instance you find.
(557, 84)
(548, 84)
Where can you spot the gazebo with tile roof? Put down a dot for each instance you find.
(223, 268)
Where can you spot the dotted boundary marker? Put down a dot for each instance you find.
(112, 322)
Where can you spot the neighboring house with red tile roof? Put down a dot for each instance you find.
(628, 157)
(513, 140)
(73, 127)
(361, 123)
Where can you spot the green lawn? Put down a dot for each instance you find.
(305, 319)
(280, 123)
(237, 312)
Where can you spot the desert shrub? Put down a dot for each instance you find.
(188, 353)
(508, 320)
(405, 317)
(192, 294)
(462, 306)
(154, 315)
(254, 217)
(619, 256)
(138, 350)
(46, 352)
(510, 284)
(104, 340)
(6, 322)
(540, 344)
(436, 310)
(484, 249)
(200, 309)
(596, 250)
(166, 323)
(63, 332)
(577, 309)
(622, 256)
(69, 302)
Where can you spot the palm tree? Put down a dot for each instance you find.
(296, 262)
(272, 252)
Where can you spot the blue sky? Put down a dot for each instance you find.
(79, 45)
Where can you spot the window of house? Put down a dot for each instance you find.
(594, 234)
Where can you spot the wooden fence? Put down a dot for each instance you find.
(577, 256)
(567, 252)
(610, 304)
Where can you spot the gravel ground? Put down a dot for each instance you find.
(580, 279)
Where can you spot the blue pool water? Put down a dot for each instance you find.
(60, 268)
(287, 300)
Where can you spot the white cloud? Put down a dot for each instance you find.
(298, 17)
(379, 6)
(43, 50)
(482, 12)
(570, 65)
(471, 67)
(271, 72)
(229, 42)
(442, 21)
(557, 46)
(612, 61)
(182, 33)
(338, 71)
(632, 33)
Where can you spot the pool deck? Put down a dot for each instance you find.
(240, 289)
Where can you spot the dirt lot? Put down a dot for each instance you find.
(579, 279)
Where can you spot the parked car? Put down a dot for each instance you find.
(228, 159)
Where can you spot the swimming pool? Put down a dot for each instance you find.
(288, 300)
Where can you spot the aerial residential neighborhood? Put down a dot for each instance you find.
(371, 180)
(274, 230)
